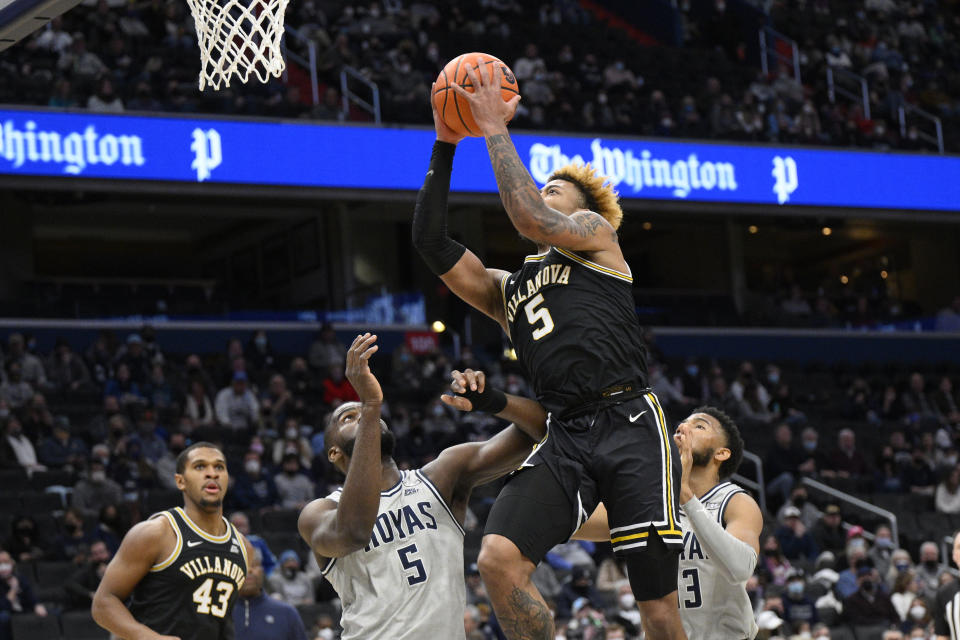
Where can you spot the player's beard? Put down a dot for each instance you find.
(208, 504)
(703, 458)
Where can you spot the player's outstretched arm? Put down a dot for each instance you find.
(530, 215)
(335, 529)
(140, 550)
(459, 268)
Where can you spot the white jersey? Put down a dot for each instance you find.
(408, 582)
(710, 605)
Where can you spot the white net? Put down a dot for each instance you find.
(237, 38)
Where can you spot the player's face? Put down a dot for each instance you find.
(956, 550)
(347, 419)
(561, 196)
(705, 435)
(205, 478)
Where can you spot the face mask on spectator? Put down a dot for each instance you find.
(98, 476)
(261, 342)
(292, 433)
(902, 566)
(6, 569)
(868, 586)
(325, 634)
(931, 565)
(917, 613)
(252, 467)
(438, 410)
(627, 601)
(883, 543)
(809, 445)
(795, 589)
(692, 369)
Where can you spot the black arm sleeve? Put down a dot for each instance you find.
(430, 214)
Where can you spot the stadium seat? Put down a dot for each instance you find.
(31, 627)
(279, 542)
(79, 625)
(35, 502)
(52, 477)
(51, 574)
(283, 520)
(9, 504)
(13, 479)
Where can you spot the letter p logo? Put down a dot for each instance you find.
(207, 154)
(785, 178)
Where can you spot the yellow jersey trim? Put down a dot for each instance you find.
(662, 422)
(243, 547)
(176, 551)
(626, 277)
(637, 536)
(203, 534)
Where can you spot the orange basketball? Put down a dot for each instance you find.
(452, 107)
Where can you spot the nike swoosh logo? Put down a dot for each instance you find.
(430, 173)
(637, 417)
(194, 543)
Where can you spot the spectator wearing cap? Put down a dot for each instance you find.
(135, 356)
(869, 605)
(579, 586)
(267, 560)
(809, 514)
(257, 616)
(797, 543)
(828, 532)
(62, 450)
(856, 553)
(476, 591)
(95, 491)
(289, 583)
(929, 569)
(236, 405)
(798, 608)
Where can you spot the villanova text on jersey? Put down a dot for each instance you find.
(190, 593)
(574, 326)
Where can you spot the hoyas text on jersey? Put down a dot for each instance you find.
(691, 548)
(398, 524)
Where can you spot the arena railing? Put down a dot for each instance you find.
(372, 106)
(837, 77)
(855, 502)
(309, 63)
(758, 485)
(769, 39)
(936, 139)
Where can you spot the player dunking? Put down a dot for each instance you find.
(721, 525)
(569, 312)
(390, 541)
(183, 567)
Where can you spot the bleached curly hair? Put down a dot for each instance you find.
(597, 193)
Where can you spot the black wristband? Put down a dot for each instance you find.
(490, 401)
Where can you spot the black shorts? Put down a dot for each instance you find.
(619, 453)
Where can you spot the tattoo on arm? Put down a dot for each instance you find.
(522, 200)
(526, 618)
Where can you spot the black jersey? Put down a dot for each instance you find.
(574, 327)
(190, 594)
(946, 611)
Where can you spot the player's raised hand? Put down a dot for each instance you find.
(358, 368)
(490, 111)
(468, 380)
(686, 464)
(444, 133)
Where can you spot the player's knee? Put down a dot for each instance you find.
(499, 559)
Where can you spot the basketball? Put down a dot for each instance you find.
(453, 109)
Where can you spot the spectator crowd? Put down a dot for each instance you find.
(579, 75)
(99, 428)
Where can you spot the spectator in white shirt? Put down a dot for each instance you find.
(17, 450)
(947, 495)
(236, 405)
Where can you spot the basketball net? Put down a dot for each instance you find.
(237, 38)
